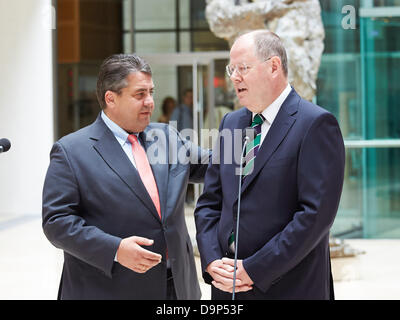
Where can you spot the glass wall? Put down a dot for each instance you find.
(153, 26)
(87, 32)
(359, 82)
(90, 30)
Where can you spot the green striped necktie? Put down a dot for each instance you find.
(251, 152)
(253, 146)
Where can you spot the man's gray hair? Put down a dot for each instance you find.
(114, 72)
(268, 44)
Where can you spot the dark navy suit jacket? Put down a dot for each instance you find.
(288, 203)
(93, 197)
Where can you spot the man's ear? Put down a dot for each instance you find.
(109, 98)
(276, 65)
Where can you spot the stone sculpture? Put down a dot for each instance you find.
(297, 22)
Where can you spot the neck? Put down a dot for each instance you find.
(280, 86)
(277, 90)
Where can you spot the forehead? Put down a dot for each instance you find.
(139, 80)
(243, 50)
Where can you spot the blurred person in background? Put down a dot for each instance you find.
(167, 107)
(183, 113)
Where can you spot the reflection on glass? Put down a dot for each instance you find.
(155, 42)
(382, 193)
(381, 60)
(370, 203)
(154, 14)
(339, 86)
(349, 220)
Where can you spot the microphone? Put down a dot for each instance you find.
(247, 135)
(5, 145)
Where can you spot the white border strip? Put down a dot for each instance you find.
(384, 143)
(378, 12)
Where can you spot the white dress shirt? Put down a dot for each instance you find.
(271, 111)
(121, 135)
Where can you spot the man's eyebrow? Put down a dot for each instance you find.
(143, 90)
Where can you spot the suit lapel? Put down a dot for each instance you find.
(111, 152)
(244, 121)
(279, 129)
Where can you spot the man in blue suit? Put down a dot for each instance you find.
(291, 188)
(115, 211)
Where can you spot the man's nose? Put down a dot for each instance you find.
(235, 76)
(149, 100)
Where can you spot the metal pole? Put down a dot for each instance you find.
(211, 95)
(195, 117)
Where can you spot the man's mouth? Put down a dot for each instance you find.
(240, 90)
(146, 110)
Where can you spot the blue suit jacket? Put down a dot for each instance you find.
(93, 197)
(288, 203)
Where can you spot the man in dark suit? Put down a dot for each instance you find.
(116, 210)
(290, 192)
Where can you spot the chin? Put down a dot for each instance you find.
(244, 102)
(139, 126)
(253, 109)
(143, 126)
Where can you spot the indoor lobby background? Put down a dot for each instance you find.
(51, 51)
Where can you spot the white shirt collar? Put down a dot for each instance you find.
(272, 110)
(119, 133)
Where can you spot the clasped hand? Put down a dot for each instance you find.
(222, 273)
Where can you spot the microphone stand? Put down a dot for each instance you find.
(246, 140)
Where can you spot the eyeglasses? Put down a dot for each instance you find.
(241, 68)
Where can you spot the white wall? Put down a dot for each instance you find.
(26, 103)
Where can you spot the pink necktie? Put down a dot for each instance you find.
(144, 169)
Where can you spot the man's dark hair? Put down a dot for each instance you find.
(114, 72)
